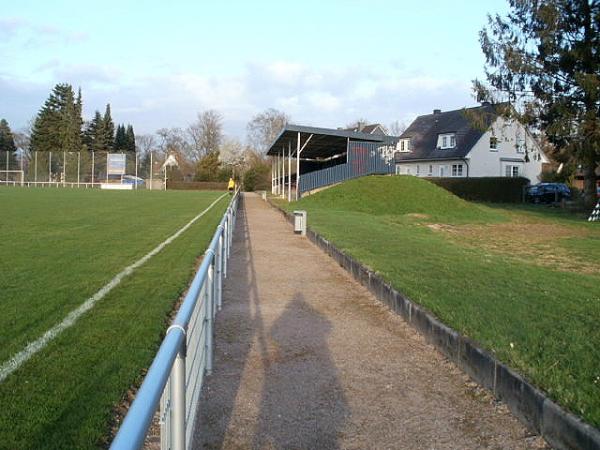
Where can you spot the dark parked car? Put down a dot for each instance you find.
(548, 192)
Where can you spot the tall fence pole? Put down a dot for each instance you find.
(78, 166)
(178, 398)
(136, 170)
(209, 299)
(92, 168)
(64, 180)
(290, 171)
(151, 169)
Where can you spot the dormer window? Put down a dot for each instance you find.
(493, 143)
(403, 145)
(446, 140)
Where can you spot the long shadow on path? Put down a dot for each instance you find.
(269, 389)
(303, 405)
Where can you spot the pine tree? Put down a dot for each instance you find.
(543, 57)
(7, 141)
(120, 139)
(95, 134)
(7, 144)
(70, 132)
(130, 139)
(109, 129)
(57, 126)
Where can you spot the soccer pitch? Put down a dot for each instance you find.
(59, 248)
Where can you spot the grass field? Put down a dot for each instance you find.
(59, 247)
(523, 282)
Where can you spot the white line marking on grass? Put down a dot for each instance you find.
(33, 347)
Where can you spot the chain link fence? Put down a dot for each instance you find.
(79, 169)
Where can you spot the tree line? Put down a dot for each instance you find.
(59, 126)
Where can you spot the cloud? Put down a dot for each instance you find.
(34, 34)
(326, 96)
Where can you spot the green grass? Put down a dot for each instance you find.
(541, 320)
(60, 247)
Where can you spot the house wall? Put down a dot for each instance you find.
(438, 169)
(486, 162)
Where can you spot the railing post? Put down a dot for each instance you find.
(226, 245)
(178, 398)
(209, 316)
(220, 272)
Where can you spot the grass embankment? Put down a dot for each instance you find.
(524, 284)
(59, 248)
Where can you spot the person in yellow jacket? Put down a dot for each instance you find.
(231, 185)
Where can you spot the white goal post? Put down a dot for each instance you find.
(12, 177)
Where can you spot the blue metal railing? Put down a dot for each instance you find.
(174, 380)
(364, 158)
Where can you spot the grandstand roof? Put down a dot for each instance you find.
(317, 143)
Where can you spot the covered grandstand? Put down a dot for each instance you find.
(308, 158)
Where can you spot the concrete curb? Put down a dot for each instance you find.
(561, 429)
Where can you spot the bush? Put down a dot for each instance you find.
(485, 189)
(196, 185)
(257, 176)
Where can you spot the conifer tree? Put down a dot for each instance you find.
(130, 139)
(109, 129)
(7, 140)
(95, 134)
(544, 58)
(57, 126)
(7, 144)
(120, 139)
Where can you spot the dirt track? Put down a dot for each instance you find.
(306, 358)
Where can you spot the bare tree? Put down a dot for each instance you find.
(173, 139)
(265, 127)
(145, 143)
(206, 134)
(396, 128)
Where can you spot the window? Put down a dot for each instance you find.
(493, 143)
(446, 140)
(418, 170)
(520, 145)
(457, 170)
(511, 171)
(430, 173)
(403, 145)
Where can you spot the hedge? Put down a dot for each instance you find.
(485, 189)
(197, 185)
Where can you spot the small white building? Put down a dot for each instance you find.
(473, 142)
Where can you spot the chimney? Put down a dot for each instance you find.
(437, 111)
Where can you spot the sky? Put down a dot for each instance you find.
(325, 63)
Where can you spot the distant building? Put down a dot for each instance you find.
(374, 128)
(472, 142)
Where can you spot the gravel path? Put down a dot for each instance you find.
(306, 358)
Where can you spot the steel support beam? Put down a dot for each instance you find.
(289, 171)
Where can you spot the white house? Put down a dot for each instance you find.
(473, 142)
